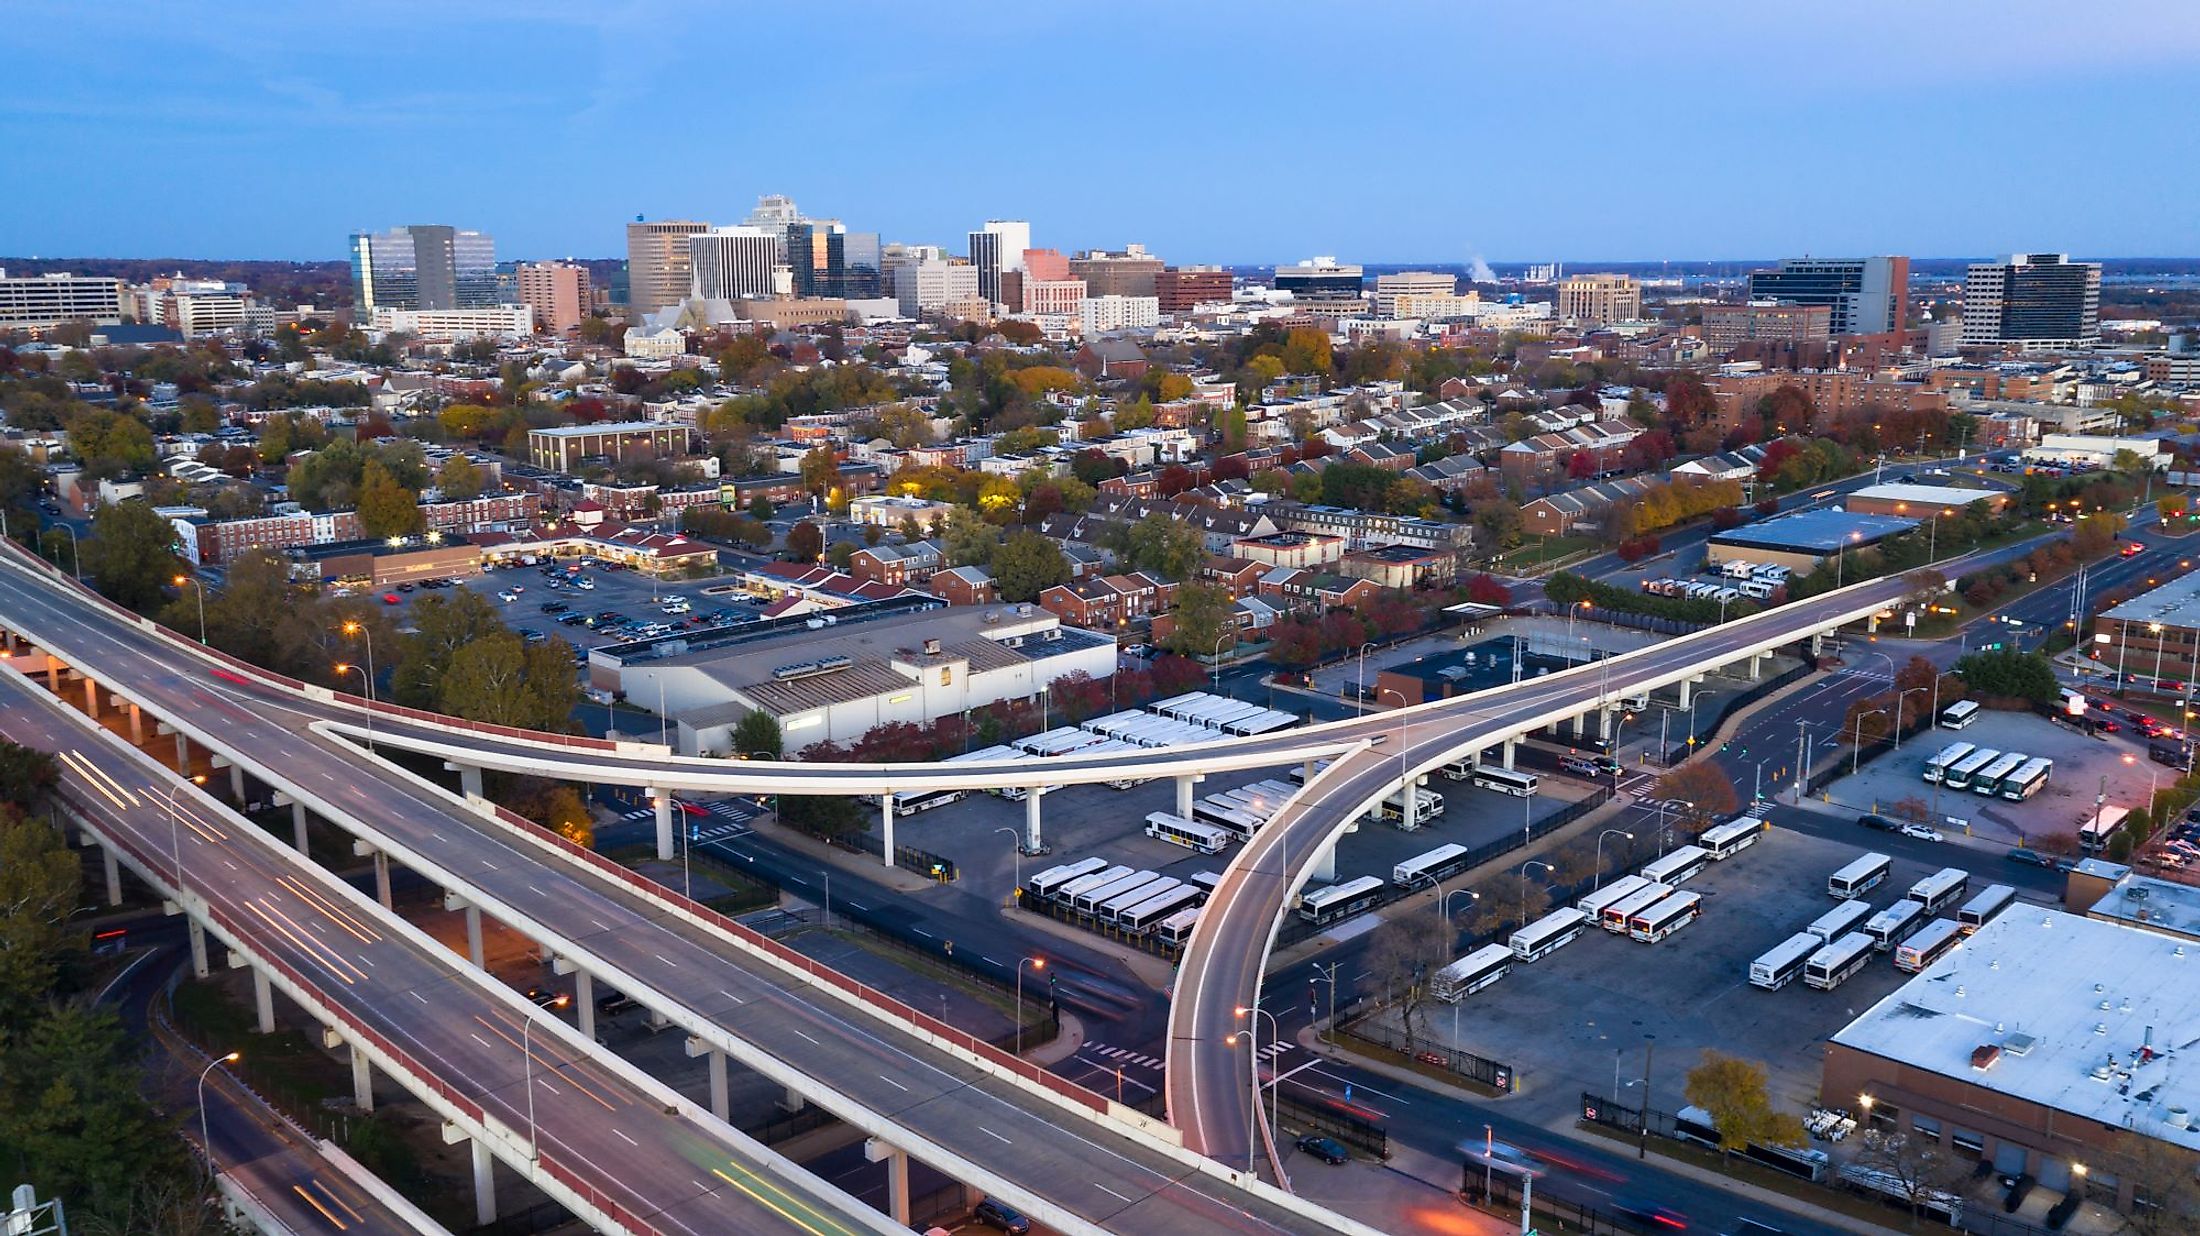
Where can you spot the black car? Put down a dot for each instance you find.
(1328, 1149)
(1653, 1217)
(1880, 822)
(2032, 858)
(995, 1215)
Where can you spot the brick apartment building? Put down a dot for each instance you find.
(1833, 392)
(1110, 602)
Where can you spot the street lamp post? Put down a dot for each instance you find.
(1905, 694)
(1840, 557)
(1600, 853)
(1359, 701)
(1663, 807)
(1275, 1098)
(527, 1029)
(206, 1142)
(1252, 1105)
(342, 668)
(1231, 635)
(1443, 904)
(1523, 874)
(76, 551)
(175, 830)
(1016, 841)
(2155, 629)
(192, 580)
(1036, 963)
(1327, 974)
(1856, 738)
(1405, 777)
(366, 636)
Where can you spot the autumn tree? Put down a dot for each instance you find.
(459, 479)
(1917, 1168)
(130, 555)
(1703, 787)
(1206, 620)
(1404, 957)
(386, 508)
(1734, 1091)
(1027, 564)
(805, 542)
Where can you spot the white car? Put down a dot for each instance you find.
(507, 596)
(1921, 832)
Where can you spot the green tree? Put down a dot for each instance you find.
(826, 815)
(386, 508)
(72, 1119)
(2009, 674)
(26, 774)
(757, 733)
(1206, 619)
(442, 624)
(39, 884)
(111, 443)
(820, 471)
(501, 681)
(1166, 548)
(459, 479)
(966, 540)
(761, 507)
(805, 542)
(1733, 1090)
(131, 555)
(1027, 564)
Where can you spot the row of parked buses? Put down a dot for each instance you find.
(1843, 940)
(1139, 902)
(2012, 775)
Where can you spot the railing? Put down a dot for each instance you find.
(1347, 1127)
(907, 857)
(1495, 1074)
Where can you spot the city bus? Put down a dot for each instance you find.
(1327, 905)
(1895, 924)
(1778, 967)
(2027, 780)
(1191, 834)
(1988, 780)
(1832, 965)
(1177, 928)
(1471, 973)
(1859, 877)
(1991, 900)
(1049, 882)
(1157, 909)
(1932, 941)
(1114, 908)
(1428, 868)
(1839, 921)
(1664, 918)
(1679, 867)
(1614, 916)
(1091, 899)
(1959, 774)
(910, 802)
(1067, 894)
(1951, 755)
(1959, 714)
(2098, 826)
(1236, 821)
(1427, 805)
(1505, 780)
(1938, 889)
(1593, 904)
(1732, 838)
(1553, 931)
(1205, 881)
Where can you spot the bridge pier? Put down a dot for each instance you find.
(1817, 643)
(1579, 717)
(113, 870)
(1686, 685)
(1031, 819)
(183, 754)
(1184, 792)
(197, 934)
(662, 801)
(1306, 776)
(1604, 725)
(1408, 798)
(382, 879)
(298, 818)
(452, 901)
(897, 1177)
(263, 1000)
(91, 697)
(1510, 743)
(485, 1183)
(719, 1104)
(1756, 665)
(137, 725)
(236, 784)
(792, 1100)
(469, 778)
(584, 1003)
(886, 827)
(362, 1069)
(1325, 864)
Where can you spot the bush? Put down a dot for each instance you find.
(1635, 549)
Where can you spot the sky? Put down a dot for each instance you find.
(1219, 131)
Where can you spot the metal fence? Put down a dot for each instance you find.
(1348, 1127)
(1495, 1074)
(1679, 751)
(907, 857)
(1499, 1193)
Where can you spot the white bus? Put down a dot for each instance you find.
(1147, 914)
(1679, 867)
(1236, 821)
(1553, 931)
(1594, 903)
(1895, 924)
(1959, 774)
(1938, 889)
(1505, 780)
(1832, 965)
(1664, 918)
(2028, 780)
(1859, 877)
(1114, 908)
(1205, 881)
(1991, 900)
(1932, 941)
(1471, 973)
(1048, 882)
(1427, 805)
(1428, 868)
(1840, 920)
(1733, 837)
(1987, 780)
(1778, 968)
(1067, 893)
(2098, 825)
(1177, 928)
(1191, 834)
(1327, 905)
(1951, 755)
(910, 802)
(1614, 916)
(1959, 714)
(1090, 900)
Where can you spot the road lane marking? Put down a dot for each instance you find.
(895, 1084)
(995, 1136)
(621, 1135)
(808, 1037)
(667, 960)
(417, 996)
(730, 996)
(1110, 1192)
(478, 1039)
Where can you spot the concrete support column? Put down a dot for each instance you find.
(183, 754)
(1871, 624)
(1031, 819)
(362, 1079)
(1687, 686)
(236, 784)
(1306, 775)
(1325, 864)
(662, 800)
(91, 697)
(137, 724)
(485, 1184)
(473, 926)
(1409, 795)
(263, 1000)
(886, 827)
(1551, 729)
(584, 1003)
(1604, 725)
(197, 934)
(469, 779)
(382, 878)
(1817, 642)
(792, 1100)
(1510, 743)
(897, 1177)
(113, 867)
(298, 819)
(1579, 717)
(1184, 795)
(1756, 665)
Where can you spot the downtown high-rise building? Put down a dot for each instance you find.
(734, 263)
(425, 266)
(2032, 300)
(824, 258)
(1866, 296)
(1600, 300)
(995, 248)
(558, 292)
(658, 263)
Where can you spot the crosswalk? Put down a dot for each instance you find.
(1125, 1056)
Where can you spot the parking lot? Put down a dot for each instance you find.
(1566, 1022)
(2085, 766)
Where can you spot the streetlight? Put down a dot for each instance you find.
(2154, 784)
(1903, 695)
(342, 668)
(76, 552)
(2155, 629)
(192, 580)
(1231, 635)
(1326, 975)
(1523, 874)
(206, 1143)
(1840, 557)
(1443, 904)
(1036, 963)
(1600, 853)
(527, 1029)
(1665, 805)
(1360, 701)
(355, 627)
(1405, 778)
(1016, 841)
(1275, 1098)
(1856, 738)
(1252, 1105)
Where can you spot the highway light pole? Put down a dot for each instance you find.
(1359, 700)
(1231, 635)
(1905, 694)
(1600, 853)
(175, 830)
(1523, 874)
(1406, 804)
(1252, 1096)
(1036, 963)
(1856, 738)
(1016, 840)
(343, 668)
(192, 580)
(1443, 905)
(359, 629)
(1327, 974)
(527, 1028)
(206, 1143)
(76, 552)
(1275, 1099)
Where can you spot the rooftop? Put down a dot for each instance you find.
(2143, 901)
(1816, 531)
(2176, 604)
(2091, 1018)
(585, 431)
(1924, 496)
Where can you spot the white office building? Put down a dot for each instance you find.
(453, 325)
(1391, 289)
(733, 263)
(1103, 314)
(997, 247)
(42, 302)
(931, 285)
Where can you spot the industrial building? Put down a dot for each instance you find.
(1801, 540)
(1925, 501)
(2153, 637)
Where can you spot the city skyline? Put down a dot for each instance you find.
(1628, 137)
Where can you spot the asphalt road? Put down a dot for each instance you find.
(610, 1132)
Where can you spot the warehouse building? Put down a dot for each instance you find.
(1925, 501)
(1801, 540)
(2153, 639)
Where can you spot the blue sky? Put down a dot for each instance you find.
(1216, 132)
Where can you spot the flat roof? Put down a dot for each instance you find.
(2176, 604)
(1815, 532)
(2093, 1018)
(583, 431)
(2143, 901)
(1927, 495)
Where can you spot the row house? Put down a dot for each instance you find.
(1084, 561)
(1451, 474)
(1250, 616)
(1602, 443)
(1736, 465)
(1380, 455)
(1146, 484)
(1109, 602)
(1218, 526)
(670, 502)
(1832, 392)
(1583, 508)
(489, 512)
(1238, 576)
(219, 542)
(1316, 591)
(965, 585)
(1363, 528)
(913, 563)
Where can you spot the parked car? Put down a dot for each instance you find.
(1879, 822)
(1921, 833)
(507, 596)
(391, 598)
(997, 1215)
(1328, 1149)
(2030, 858)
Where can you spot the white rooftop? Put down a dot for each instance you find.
(1926, 495)
(2094, 1019)
(2144, 901)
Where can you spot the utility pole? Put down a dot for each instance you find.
(1649, 1045)
(1802, 769)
